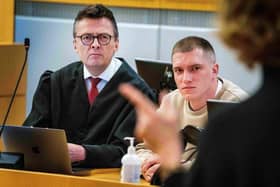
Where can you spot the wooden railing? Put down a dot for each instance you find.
(198, 5)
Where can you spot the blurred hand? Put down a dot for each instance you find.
(159, 130)
(76, 152)
(150, 166)
(161, 94)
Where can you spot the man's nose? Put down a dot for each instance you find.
(95, 43)
(187, 77)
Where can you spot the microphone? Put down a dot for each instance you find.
(14, 160)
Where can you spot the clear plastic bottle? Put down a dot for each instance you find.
(131, 164)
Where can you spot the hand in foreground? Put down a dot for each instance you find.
(160, 131)
(150, 166)
(76, 152)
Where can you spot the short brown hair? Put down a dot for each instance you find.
(95, 12)
(190, 43)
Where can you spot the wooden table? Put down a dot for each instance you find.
(97, 178)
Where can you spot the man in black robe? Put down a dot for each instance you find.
(94, 131)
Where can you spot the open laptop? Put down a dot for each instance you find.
(44, 149)
(215, 106)
(158, 74)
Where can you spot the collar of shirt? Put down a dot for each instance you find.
(219, 87)
(105, 76)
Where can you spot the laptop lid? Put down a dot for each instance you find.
(215, 106)
(158, 74)
(44, 149)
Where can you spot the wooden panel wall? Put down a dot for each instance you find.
(11, 60)
(201, 5)
(7, 21)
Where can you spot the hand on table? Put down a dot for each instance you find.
(76, 152)
(150, 166)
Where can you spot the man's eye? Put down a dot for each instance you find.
(177, 70)
(87, 37)
(195, 68)
(104, 37)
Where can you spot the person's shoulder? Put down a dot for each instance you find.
(128, 74)
(174, 94)
(125, 68)
(231, 91)
(70, 70)
(45, 78)
(174, 97)
(70, 67)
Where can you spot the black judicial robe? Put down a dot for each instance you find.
(61, 102)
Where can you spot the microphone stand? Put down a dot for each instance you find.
(7, 159)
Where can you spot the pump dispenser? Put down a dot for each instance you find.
(131, 164)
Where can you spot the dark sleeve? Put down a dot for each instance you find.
(214, 164)
(178, 179)
(109, 155)
(40, 112)
(103, 156)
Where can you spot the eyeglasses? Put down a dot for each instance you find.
(88, 39)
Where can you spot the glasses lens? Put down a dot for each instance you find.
(87, 39)
(104, 39)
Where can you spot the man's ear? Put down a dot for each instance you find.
(215, 68)
(117, 45)
(75, 45)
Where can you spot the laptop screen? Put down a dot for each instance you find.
(44, 149)
(158, 74)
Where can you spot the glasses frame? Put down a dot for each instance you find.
(93, 37)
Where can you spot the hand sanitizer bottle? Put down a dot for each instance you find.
(131, 164)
